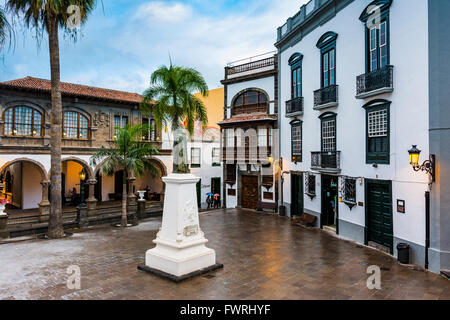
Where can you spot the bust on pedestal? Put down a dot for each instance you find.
(180, 251)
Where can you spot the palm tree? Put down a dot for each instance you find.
(171, 100)
(5, 28)
(128, 153)
(48, 17)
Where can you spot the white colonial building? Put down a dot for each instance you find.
(248, 135)
(354, 97)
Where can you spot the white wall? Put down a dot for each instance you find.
(408, 111)
(31, 186)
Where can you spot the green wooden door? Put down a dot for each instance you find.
(379, 214)
(199, 193)
(297, 195)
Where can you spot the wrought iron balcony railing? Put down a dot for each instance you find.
(326, 160)
(375, 80)
(252, 65)
(294, 107)
(327, 96)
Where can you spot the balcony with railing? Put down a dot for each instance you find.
(294, 107)
(246, 154)
(256, 64)
(326, 97)
(375, 83)
(326, 161)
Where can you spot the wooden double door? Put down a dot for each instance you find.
(379, 219)
(249, 195)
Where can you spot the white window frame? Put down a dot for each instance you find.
(195, 157)
(378, 123)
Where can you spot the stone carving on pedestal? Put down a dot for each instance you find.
(180, 250)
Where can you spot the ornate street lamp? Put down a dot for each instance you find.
(428, 165)
(82, 179)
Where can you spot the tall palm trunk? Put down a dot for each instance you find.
(55, 228)
(124, 201)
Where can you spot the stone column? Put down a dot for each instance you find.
(92, 201)
(44, 205)
(131, 196)
(141, 209)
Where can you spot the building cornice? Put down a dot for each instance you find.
(316, 18)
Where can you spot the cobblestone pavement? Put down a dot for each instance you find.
(264, 257)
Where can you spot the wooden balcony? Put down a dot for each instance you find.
(247, 154)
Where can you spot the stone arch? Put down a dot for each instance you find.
(157, 161)
(83, 163)
(37, 164)
(160, 165)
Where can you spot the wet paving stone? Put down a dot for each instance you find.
(265, 257)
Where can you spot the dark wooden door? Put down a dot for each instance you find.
(379, 214)
(249, 192)
(215, 185)
(98, 188)
(297, 195)
(329, 200)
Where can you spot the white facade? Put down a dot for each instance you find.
(241, 78)
(205, 140)
(408, 117)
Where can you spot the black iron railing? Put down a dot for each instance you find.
(294, 106)
(378, 79)
(326, 159)
(251, 66)
(326, 95)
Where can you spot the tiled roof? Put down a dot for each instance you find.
(249, 118)
(71, 89)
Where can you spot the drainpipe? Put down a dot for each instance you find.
(427, 227)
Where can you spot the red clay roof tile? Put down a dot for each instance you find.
(71, 89)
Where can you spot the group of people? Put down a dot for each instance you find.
(213, 201)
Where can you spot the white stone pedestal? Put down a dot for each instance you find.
(180, 243)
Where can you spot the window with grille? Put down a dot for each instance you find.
(195, 158)
(75, 125)
(311, 190)
(329, 135)
(377, 134)
(296, 138)
(23, 121)
(216, 157)
(378, 123)
(350, 190)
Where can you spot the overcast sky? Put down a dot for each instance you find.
(124, 42)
